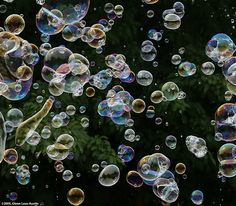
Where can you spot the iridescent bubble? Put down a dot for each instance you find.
(90, 92)
(144, 78)
(15, 116)
(59, 167)
(67, 175)
(129, 135)
(197, 197)
(13, 196)
(170, 91)
(75, 196)
(154, 34)
(57, 121)
(84, 122)
(138, 106)
(196, 145)
(24, 73)
(134, 179)
(109, 176)
(166, 189)
(172, 21)
(180, 168)
(157, 97)
(208, 68)
(66, 140)
(220, 48)
(229, 70)
(225, 121)
(108, 7)
(227, 160)
(70, 110)
(153, 166)
(14, 24)
(125, 153)
(10, 156)
(187, 69)
(71, 33)
(171, 141)
(23, 174)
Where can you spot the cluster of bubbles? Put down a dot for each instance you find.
(53, 17)
(119, 68)
(18, 58)
(117, 106)
(3, 137)
(125, 153)
(172, 17)
(148, 51)
(112, 11)
(60, 149)
(65, 71)
(196, 145)
(23, 174)
(227, 160)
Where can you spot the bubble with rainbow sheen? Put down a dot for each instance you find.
(197, 197)
(187, 69)
(227, 162)
(134, 179)
(125, 153)
(225, 121)
(23, 175)
(10, 156)
(151, 167)
(220, 48)
(229, 70)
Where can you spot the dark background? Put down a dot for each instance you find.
(193, 115)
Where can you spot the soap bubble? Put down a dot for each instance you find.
(46, 133)
(95, 168)
(220, 48)
(59, 167)
(180, 168)
(197, 197)
(225, 121)
(138, 106)
(67, 175)
(154, 34)
(208, 68)
(75, 196)
(70, 110)
(196, 145)
(15, 116)
(170, 91)
(33, 139)
(35, 168)
(71, 33)
(13, 196)
(10, 156)
(157, 97)
(229, 70)
(134, 179)
(176, 59)
(108, 7)
(171, 141)
(227, 160)
(166, 189)
(144, 78)
(172, 21)
(151, 167)
(23, 174)
(14, 24)
(187, 69)
(129, 135)
(109, 176)
(151, 1)
(125, 153)
(148, 51)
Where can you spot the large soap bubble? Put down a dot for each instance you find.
(220, 48)
(109, 176)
